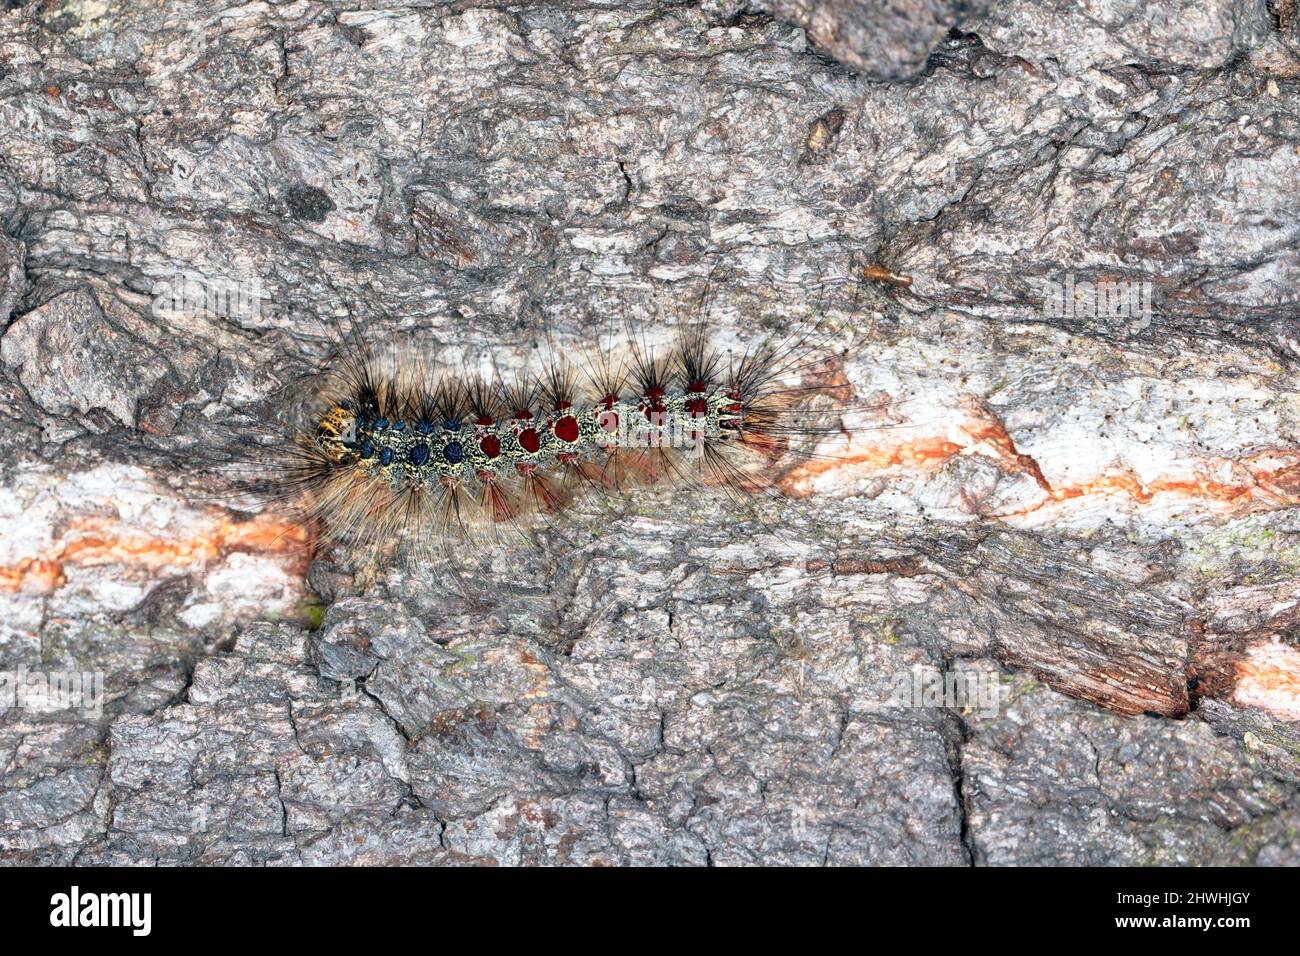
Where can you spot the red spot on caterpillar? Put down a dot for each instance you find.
(485, 420)
(698, 407)
(609, 401)
(566, 429)
(697, 386)
(523, 415)
(530, 441)
(491, 445)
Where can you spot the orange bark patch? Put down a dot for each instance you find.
(1265, 480)
(32, 576)
(925, 452)
(1278, 487)
(986, 428)
(1268, 677)
(92, 542)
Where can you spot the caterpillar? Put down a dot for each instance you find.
(392, 447)
(393, 456)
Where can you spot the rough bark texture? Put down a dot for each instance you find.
(1093, 512)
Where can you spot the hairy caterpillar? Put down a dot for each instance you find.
(394, 447)
(392, 455)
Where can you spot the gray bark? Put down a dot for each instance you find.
(1092, 512)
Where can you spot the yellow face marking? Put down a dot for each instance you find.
(336, 427)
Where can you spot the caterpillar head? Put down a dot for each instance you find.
(336, 431)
